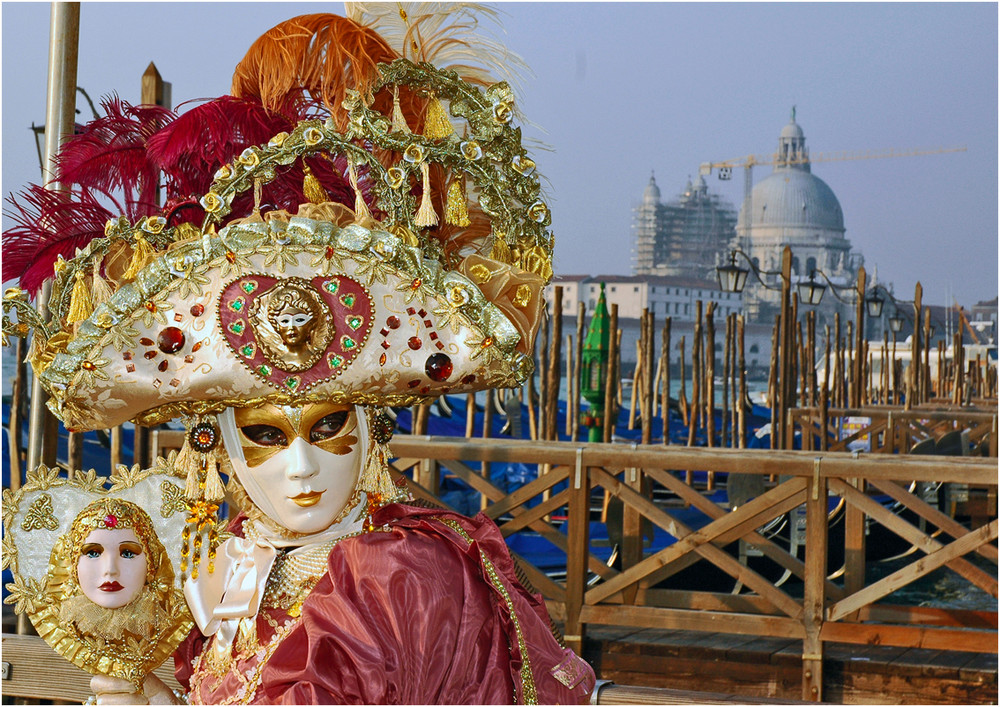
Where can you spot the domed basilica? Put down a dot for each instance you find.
(794, 207)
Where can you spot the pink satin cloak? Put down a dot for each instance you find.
(410, 616)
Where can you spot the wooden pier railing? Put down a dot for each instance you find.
(892, 430)
(806, 602)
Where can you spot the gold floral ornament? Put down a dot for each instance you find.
(39, 515)
(53, 524)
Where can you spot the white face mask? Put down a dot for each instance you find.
(299, 466)
(111, 568)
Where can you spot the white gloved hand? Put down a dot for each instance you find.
(116, 691)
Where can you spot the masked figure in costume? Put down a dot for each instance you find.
(380, 242)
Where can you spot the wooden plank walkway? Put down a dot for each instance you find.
(771, 668)
(33, 673)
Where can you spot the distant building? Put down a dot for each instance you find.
(681, 237)
(674, 297)
(793, 207)
(983, 319)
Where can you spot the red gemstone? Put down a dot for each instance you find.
(150, 354)
(146, 341)
(110, 521)
(413, 384)
(329, 252)
(392, 322)
(170, 340)
(197, 310)
(164, 364)
(438, 367)
(381, 360)
(471, 378)
(414, 342)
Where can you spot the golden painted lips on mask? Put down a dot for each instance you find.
(269, 429)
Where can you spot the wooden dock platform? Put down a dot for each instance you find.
(758, 668)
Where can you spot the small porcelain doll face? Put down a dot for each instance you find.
(112, 567)
(304, 462)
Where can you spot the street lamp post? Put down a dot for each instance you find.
(733, 278)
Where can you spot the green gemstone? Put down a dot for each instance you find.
(336, 361)
(332, 286)
(264, 370)
(237, 327)
(236, 305)
(249, 287)
(348, 343)
(292, 383)
(247, 351)
(348, 300)
(355, 322)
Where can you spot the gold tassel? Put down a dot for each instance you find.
(189, 462)
(455, 211)
(361, 212)
(214, 490)
(375, 480)
(100, 290)
(314, 191)
(426, 215)
(81, 305)
(142, 253)
(436, 123)
(398, 120)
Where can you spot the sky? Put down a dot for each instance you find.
(623, 90)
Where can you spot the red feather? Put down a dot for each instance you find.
(194, 146)
(49, 224)
(109, 154)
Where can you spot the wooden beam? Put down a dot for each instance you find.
(698, 541)
(679, 619)
(930, 514)
(923, 542)
(911, 637)
(912, 572)
(814, 599)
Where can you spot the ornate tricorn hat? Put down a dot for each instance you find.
(430, 284)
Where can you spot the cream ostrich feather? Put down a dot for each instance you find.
(448, 35)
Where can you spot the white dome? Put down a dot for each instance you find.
(792, 130)
(793, 197)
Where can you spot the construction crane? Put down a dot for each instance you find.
(725, 168)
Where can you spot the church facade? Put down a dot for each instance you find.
(793, 207)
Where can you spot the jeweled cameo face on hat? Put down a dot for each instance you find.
(292, 323)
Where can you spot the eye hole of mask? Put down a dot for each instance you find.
(293, 319)
(265, 435)
(328, 426)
